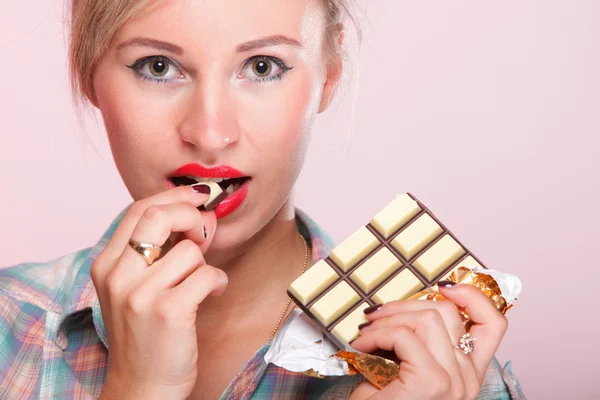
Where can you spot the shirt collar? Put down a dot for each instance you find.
(81, 296)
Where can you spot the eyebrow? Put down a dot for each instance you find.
(147, 42)
(267, 41)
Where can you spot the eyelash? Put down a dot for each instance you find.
(139, 64)
(275, 60)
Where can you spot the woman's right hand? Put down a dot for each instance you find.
(150, 312)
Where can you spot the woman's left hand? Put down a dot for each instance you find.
(436, 327)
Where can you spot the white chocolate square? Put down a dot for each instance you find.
(439, 256)
(378, 267)
(403, 285)
(467, 262)
(420, 233)
(395, 215)
(316, 279)
(354, 248)
(334, 303)
(347, 329)
(215, 189)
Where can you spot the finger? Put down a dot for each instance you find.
(203, 281)
(155, 226)
(402, 340)
(447, 310)
(430, 328)
(489, 324)
(417, 365)
(174, 268)
(454, 325)
(120, 239)
(210, 223)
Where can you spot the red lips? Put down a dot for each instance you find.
(231, 202)
(220, 171)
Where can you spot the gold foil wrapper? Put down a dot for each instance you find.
(378, 370)
(466, 276)
(381, 371)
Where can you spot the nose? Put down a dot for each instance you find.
(209, 121)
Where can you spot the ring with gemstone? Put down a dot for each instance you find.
(466, 343)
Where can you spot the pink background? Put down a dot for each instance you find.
(486, 111)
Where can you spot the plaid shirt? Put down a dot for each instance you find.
(53, 341)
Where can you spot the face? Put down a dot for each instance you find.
(217, 89)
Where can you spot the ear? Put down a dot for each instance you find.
(334, 73)
(90, 94)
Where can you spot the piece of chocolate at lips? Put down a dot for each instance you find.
(217, 195)
(403, 250)
(215, 189)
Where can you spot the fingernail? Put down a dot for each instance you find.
(446, 284)
(364, 325)
(202, 189)
(205, 235)
(372, 309)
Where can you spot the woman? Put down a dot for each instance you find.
(226, 90)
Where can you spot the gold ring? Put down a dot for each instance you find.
(466, 343)
(149, 251)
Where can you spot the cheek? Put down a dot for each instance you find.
(281, 124)
(129, 116)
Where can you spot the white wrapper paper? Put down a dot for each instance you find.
(300, 346)
(510, 285)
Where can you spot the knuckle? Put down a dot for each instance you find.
(213, 274)
(403, 332)
(94, 269)
(136, 303)
(431, 317)
(165, 310)
(137, 209)
(502, 322)
(447, 307)
(155, 213)
(114, 284)
(190, 249)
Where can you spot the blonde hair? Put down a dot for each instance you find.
(95, 23)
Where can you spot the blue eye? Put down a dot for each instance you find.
(156, 69)
(264, 69)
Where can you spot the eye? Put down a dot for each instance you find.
(264, 69)
(157, 69)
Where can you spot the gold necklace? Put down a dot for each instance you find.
(289, 302)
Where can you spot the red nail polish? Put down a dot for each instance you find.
(202, 189)
(364, 325)
(446, 284)
(372, 309)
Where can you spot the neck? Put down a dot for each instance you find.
(258, 276)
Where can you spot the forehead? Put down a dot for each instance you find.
(219, 25)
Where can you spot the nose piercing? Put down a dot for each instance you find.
(226, 140)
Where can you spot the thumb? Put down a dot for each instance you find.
(489, 324)
(210, 223)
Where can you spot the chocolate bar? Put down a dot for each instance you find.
(403, 250)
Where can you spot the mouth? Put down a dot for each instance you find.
(228, 185)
